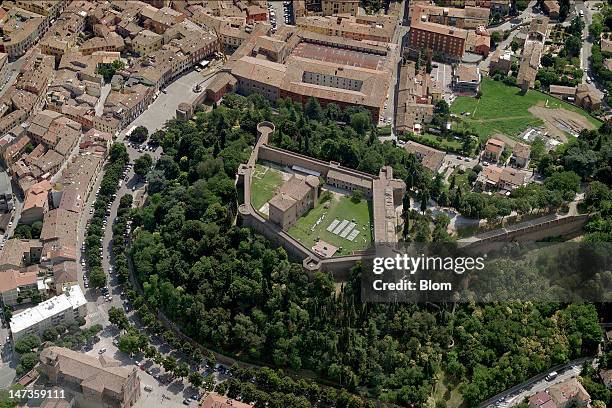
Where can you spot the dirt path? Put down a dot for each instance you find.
(560, 121)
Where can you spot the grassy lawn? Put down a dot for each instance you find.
(502, 109)
(461, 180)
(443, 393)
(341, 209)
(445, 144)
(266, 181)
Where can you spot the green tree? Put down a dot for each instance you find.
(196, 379)
(496, 37)
(182, 370)
(26, 363)
(564, 9)
(313, 110)
(595, 30)
(169, 363)
(142, 165)
(27, 343)
(360, 122)
(139, 134)
(117, 317)
(573, 45)
(97, 277)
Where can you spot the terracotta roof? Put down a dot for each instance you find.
(218, 401)
(12, 279)
(495, 146)
(36, 196)
(95, 373)
(440, 29)
(430, 157)
(521, 150)
(491, 174)
(563, 90)
(65, 272)
(467, 73)
(512, 176)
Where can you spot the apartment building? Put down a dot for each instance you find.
(63, 34)
(493, 150)
(22, 29)
(529, 64)
(65, 308)
(20, 252)
(110, 42)
(466, 79)
(329, 7)
(429, 157)
(467, 17)
(446, 43)
(214, 400)
(520, 155)
(47, 8)
(501, 62)
(360, 28)
(159, 20)
(145, 42)
(64, 276)
(36, 203)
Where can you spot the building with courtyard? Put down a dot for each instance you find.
(295, 197)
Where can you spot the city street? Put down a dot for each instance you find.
(541, 386)
(164, 107)
(11, 73)
(525, 16)
(518, 393)
(388, 114)
(153, 118)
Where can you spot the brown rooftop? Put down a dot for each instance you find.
(95, 373)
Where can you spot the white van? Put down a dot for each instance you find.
(552, 376)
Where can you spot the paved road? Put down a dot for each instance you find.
(517, 394)
(587, 45)
(153, 118)
(99, 108)
(279, 12)
(388, 114)
(161, 110)
(164, 107)
(525, 16)
(11, 73)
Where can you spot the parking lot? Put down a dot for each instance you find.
(157, 386)
(443, 73)
(277, 11)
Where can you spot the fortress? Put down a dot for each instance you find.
(299, 194)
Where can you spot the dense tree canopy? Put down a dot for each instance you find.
(233, 291)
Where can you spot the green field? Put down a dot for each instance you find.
(443, 143)
(265, 182)
(503, 109)
(342, 209)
